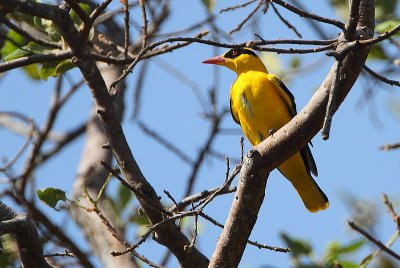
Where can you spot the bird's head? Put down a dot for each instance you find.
(239, 60)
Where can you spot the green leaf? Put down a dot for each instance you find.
(50, 196)
(18, 53)
(209, 4)
(55, 68)
(51, 29)
(29, 49)
(341, 7)
(385, 9)
(334, 250)
(351, 247)
(348, 264)
(139, 219)
(387, 25)
(37, 48)
(295, 62)
(75, 18)
(48, 69)
(37, 21)
(367, 259)
(9, 47)
(64, 66)
(298, 247)
(377, 53)
(124, 196)
(32, 71)
(9, 255)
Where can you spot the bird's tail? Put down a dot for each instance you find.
(313, 197)
(296, 172)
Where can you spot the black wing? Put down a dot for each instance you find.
(306, 155)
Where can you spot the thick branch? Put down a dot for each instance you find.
(169, 234)
(275, 149)
(29, 246)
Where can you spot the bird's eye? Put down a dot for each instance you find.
(235, 52)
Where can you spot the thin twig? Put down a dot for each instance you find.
(79, 11)
(66, 253)
(88, 24)
(115, 233)
(35, 58)
(393, 214)
(331, 106)
(149, 47)
(171, 197)
(237, 6)
(199, 196)
(98, 11)
(144, 21)
(133, 190)
(314, 24)
(287, 23)
(241, 149)
(126, 27)
(388, 147)
(194, 237)
(50, 227)
(184, 79)
(137, 96)
(251, 14)
(152, 229)
(381, 77)
(27, 35)
(68, 138)
(380, 37)
(11, 162)
(373, 240)
(227, 168)
(313, 16)
(174, 149)
(226, 184)
(324, 45)
(216, 120)
(264, 246)
(52, 115)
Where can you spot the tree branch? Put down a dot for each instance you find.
(373, 240)
(277, 148)
(305, 14)
(29, 246)
(168, 234)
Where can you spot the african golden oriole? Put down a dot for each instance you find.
(260, 103)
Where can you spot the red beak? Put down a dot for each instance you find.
(216, 60)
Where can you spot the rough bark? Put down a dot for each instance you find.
(169, 233)
(92, 176)
(284, 143)
(29, 246)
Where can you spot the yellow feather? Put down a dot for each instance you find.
(261, 103)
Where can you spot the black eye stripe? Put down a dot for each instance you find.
(235, 52)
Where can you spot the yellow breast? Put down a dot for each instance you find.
(259, 105)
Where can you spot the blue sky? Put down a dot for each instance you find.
(349, 163)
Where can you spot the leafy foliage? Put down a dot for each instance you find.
(9, 255)
(50, 196)
(208, 4)
(384, 9)
(11, 49)
(16, 46)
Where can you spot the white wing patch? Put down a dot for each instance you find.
(246, 104)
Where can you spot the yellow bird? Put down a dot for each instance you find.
(261, 103)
